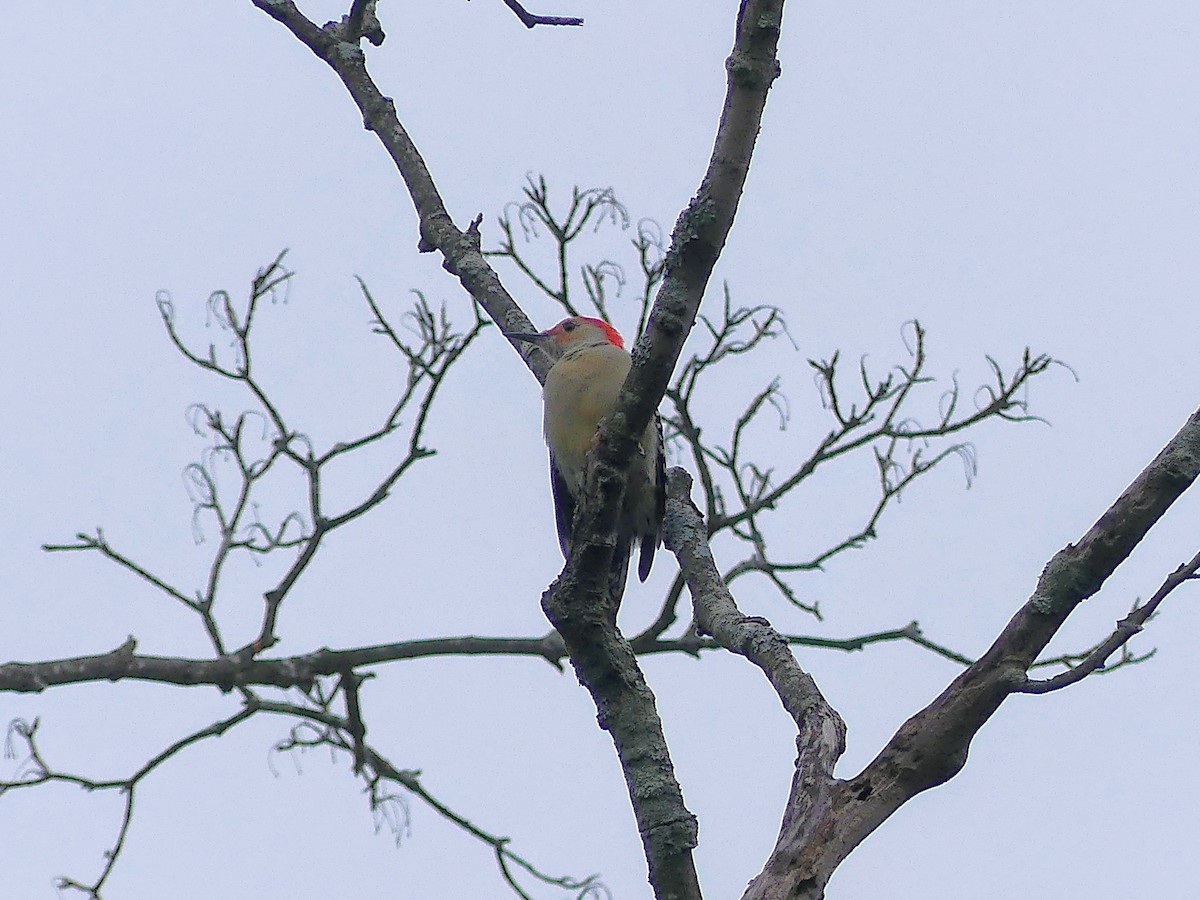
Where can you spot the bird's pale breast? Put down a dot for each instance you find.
(581, 389)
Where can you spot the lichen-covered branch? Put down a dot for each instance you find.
(821, 733)
(578, 604)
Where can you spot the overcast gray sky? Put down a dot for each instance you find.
(1008, 173)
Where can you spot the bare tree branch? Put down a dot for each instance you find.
(362, 22)
(460, 249)
(739, 489)
(237, 449)
(931, 747)
(235, 670)
(428, 359)
(36, 771)
(589, 206)
(319, 727)
(529, 19)
(1132, 624)
(578, 604)
(822, 731)
(825, 817)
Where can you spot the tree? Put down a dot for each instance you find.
(847, 810)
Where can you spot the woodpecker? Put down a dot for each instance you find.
(580, 390)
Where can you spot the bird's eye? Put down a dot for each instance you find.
(569, 326)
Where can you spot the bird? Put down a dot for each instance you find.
(581, 388)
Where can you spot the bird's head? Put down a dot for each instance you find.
(577, 331)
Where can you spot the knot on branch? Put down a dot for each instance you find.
(680, 833)
(361, 22)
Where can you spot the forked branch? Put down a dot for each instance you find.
(931, 747)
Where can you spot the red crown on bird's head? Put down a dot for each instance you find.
(561, 333)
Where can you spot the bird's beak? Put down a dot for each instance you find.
(532, 337)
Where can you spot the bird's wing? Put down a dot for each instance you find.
(564, 507)
(564, 515)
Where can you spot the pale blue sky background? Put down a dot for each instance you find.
(1009, 173)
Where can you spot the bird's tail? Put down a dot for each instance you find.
(619, 572)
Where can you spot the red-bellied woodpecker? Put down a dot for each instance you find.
(581, 389)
